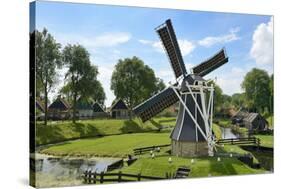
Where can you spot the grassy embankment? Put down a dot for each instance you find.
(266, 140)
(270, 120)
(109, 146)
(202, 167)
(60, 131)
(121, 145)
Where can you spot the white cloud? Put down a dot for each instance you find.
(103, 40)
(262, 47)
(186, 46)
(167, 75)
(212, 40)
(105, 72)
(230, 83)
(111, 39)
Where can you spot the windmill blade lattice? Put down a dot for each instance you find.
(156, 104)
(211, 64)
(169, 41)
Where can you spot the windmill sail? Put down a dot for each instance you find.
(169, 40)
(211, 64)
(156, 104)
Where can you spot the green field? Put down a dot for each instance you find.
(224, 122)
(202, 167)
(270, 120)
(66, 130)
(217, 131)
(122, 145)
(266, 140)
(110, 146)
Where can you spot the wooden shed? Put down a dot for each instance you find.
(98, 111)
(119, 110)
(84, 109)
(250, 120)
(254, 121)
(59, 110)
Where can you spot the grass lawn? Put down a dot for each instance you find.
(270, 120)
(266, 140)
(202, 167)
(109, 146)
(224, 122)
(217, 131)
(66, 130)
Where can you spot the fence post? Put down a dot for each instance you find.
(89, 176)
(101, 177)
(119, 176)
(85, 176)
(232, 141)
(139, 177)
(95, 177)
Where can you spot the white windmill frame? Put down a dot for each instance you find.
(206, 111)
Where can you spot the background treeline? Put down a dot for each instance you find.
(132, 80)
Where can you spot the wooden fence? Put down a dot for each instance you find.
(94, 177)
(139, 151)
(240, 141)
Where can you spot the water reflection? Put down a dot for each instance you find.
(227, 133)
(59, 168)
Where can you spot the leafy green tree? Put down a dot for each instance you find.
(48, 59)
(257, 91)
(271, 88)
(81, 75)
(66, 92)
(237, 100)
(218, 98)
(134, 82)
(160, 85)
(98, 94)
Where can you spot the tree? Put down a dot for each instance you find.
(81, 75)
(48, 59)
(134, 82)
(257, 91)
(271, 88)
(160, 85)
(218, 98)
(238, 100)
(98, 94)
(66, 92)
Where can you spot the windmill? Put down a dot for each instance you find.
(192, 134)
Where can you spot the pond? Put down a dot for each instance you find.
(60, 171)
(227, 133)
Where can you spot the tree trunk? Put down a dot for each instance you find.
(130, 113)
(74, 108)
(45, 104)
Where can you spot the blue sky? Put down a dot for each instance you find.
(113, 32)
